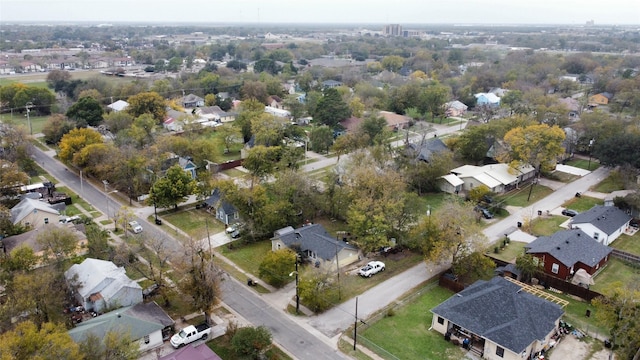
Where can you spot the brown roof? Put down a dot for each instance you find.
(351, 124)
(395, 120)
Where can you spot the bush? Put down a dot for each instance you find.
(496, 250)
(251, 341)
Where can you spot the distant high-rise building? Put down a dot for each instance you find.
(393, 30)
(590, 22)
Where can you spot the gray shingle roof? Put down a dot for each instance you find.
(570, 247)
(609, 219)
(314, 238)
(139, 320)
(428, 148)
(216, 198)
(499, 311)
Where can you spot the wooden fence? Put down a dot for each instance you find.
(625, 256)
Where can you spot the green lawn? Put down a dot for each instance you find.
(519, 197)
(616, 270)
(193, 222)
(547, 225)
(575, 314)
(628, 243)
(222, 347)
(582, 203)
(406, 334)
(612, 183)
(434, 200)
(248, 257)
(235, 173)
(510, 252)
(563, 177)
(37, 122)
(584, 164)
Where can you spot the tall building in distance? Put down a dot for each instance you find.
(393, 30)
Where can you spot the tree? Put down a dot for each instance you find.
(86, 111)
(251, 341)
(57, 244)
(172, 189)
(276, 266)
(57, 79)
(472, 267)
(424, 176)
(268, 129)
(254, 90)
(450, 235)
(40, 293)
(249, 110)
(374, 128)
(528, 265)
(317, 290)
(27, 341)
(147, 103)
(56, 126)
(11, 178)
(321, 138)
(118, 121)
(229, 135)
(432, 99)
(260, 161)
(622, 149)
(619, 310)
(20, 259)
(536, 145)
(114, 345)
(392, 63)
(75, 140)
(331, 108)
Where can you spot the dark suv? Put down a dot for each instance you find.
(569, 212)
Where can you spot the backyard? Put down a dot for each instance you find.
(509, 252)
(616, 270)
(630, 244)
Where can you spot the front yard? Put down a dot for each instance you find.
(547, 225)
(193, 221)
(583, 203)
(519, 197)
(403, 333)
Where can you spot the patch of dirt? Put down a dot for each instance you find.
(574, 349)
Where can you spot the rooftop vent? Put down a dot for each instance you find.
(558, 248)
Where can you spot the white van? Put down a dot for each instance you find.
(135, 227)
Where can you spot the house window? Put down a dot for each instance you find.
(555, 268)
(46, 220)
(146, 339)
(499, 351)
(596, 236)
(440, 320)
(278, 246)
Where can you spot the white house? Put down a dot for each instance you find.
(34, 213)
(118, 105)
(603, 223)
(497, 177)
(487, 99)
(100, 285)
(277, 112)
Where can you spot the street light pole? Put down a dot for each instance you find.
(28, 106)
(590, 147)
(297, 289)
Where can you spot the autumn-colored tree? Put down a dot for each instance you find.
(619, 310)
(27, 341)
(118, 121)
(40, 293)
(529, 266)
(318, 290)
(75, 140)
(254, 90)
(276, 266)
(11, 178)
(147, 103)
(57, 244)
(115, 344)
(392, 63)
(268, 129)
(535, 145)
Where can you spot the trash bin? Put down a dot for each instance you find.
(588, 313)
(539, 212)
(519, 224)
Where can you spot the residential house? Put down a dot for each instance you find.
(425, 149)
(322, 249)
(277, 112)
(395, 121)
(454, 108)
(487, 99)
(185, 163)
(146, 323)
(328, 84)
(174, 120)
(351, 124)
(34, 213)
(215, 113)
(119, 105)
(192, 352)
(450, 184)
(222, 209)
(600, 99)
(497, 177)
(192, 101)
(603, 223)
(500, 319)
(572, 105)
(29, 239)
(275, 102)
(100, 285)
(566, 251)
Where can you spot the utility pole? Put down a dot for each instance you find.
(28, 106)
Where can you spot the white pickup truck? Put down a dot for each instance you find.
(190, 334)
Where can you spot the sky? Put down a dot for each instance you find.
(574, 12)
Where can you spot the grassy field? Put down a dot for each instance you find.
(37, 122)
(630, 244)
(247, 257)
(406, 334)
(616, 270)
(582, 203)
(510, 251)
(547, 225)
(193, 222)
(584, 164)
(612, 183)
(519, 197)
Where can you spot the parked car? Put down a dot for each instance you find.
(235, 234)
(372, 268)
(635, 223)
(485, 213)
(135, 227)
(66, 220)
(233, 227)
(569, 212)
